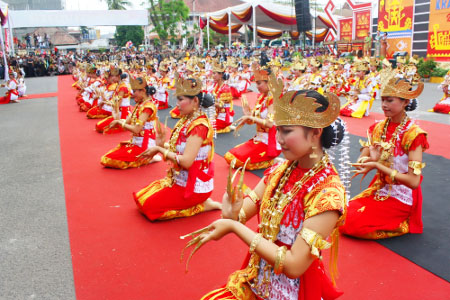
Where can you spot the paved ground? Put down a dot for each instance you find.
(35, 260)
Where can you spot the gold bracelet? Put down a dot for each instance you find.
(242, 216)
(392, 176)
(314, 240)
(166, 152)
(279, 260)
(255, 243)
(166, 145)
(252, 195)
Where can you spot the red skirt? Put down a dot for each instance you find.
(124, 156)
(442, 108)
(103, 126)
(366, 217)
(157, 199)
(346, 111)
(97, 113)
(257, 152)
(6, 99)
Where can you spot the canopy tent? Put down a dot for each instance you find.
(269, 19)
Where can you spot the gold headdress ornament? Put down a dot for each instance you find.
(401, 88)
(190, 66)
(163, 66)
(187, 87)
(386, 62)
(260, 74)
(218, 67)
(293, 108)
(313, 62)
(361, 66)
(231, 63)
(341, 61)
(413, 60)
(91, 69)
(246, 61)
(138, 83)
(401, 59)
(149, 65)
(114, 71)
(299, 66)
(374, 62)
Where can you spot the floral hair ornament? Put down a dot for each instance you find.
(401, 88)
(187, 87)
(294, 108)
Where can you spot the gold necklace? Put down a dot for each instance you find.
(387, 149)
(273, 212)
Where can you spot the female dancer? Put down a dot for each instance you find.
(141, 124)
(189, 182)
(443, 106)
(300, 203)
(224, 99)
(391, 205)
(12, 94)
(119, 105)
(263, 147)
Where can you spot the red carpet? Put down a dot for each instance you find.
(34, 96)
(118, 254)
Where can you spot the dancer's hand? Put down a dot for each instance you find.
(375, 152)
(230, 207)
(149, 153)
(115, 115)
(160, 138)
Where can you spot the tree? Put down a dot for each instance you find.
(129, 33)
(117, 4)
(168, 18)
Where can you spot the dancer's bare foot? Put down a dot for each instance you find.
(210, 204)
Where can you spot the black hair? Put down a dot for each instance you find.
(150, 90)
(412, 105)
(225, 76)
(123, 76)
(333, 134)
(205, 100)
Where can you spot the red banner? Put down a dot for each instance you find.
(362, 24)
(346, 29)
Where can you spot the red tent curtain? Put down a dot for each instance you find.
(223, 21)
(245, 16)
(224, 29)
(288, 20)
(270, 35)
(319, 37)
(202, 22)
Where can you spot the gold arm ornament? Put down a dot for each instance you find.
(315, 241)
(417, 166)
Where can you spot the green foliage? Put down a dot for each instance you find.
(117, 4)
(166, 16)
(439, 72)
(214, 38)
(425, 67)
(129, 33)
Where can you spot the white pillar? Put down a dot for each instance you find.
(314, 31)
(207, 28)
(11, 38)
(229, 29)
(254, 25)
(4, 54)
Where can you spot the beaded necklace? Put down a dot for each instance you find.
(273, 211)
(387, 151)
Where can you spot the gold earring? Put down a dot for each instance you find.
(313, 153)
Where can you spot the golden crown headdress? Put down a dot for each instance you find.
(401, 59)
(361, 66)
(218, 67)
(260, 74)
(138, 83)
(299, 66)
(246, 61)
(163, 67)
(187, 87)
(401, 88)
(114, 71)
(91, 69)
(386, 63)
(293, 108)
(374, 62)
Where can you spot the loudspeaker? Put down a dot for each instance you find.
(302, 15)
(400, 53)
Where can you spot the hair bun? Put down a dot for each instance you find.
(151, 90)
(412, 105)
(207, 100)
(333, 134)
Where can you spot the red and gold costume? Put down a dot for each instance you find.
(224, 111)
(263, 147)
(97, 112)
(384, 209)
(11, 93)
(162, 95)
(125, 154)
(443, 106)
(182, 192)
(321, 192)
(124, 110)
